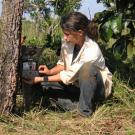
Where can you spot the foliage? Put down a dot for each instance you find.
(48, 58)
(62, 7)
(44, 8)
(115, 116)
(46, 15)
(32, 36)
(38, 9)
(117, 32)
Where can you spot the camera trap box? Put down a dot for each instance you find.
(29, 61)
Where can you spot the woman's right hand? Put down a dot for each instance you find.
(43, 69)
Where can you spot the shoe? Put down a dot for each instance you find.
(85, 113)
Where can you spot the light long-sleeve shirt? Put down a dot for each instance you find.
(90, 52)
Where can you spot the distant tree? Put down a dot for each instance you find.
(62, 7)
(10, 39)
(46, 13)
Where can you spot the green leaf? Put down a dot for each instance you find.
(133, 24)
(116, 24)
(130, 50)
(106, 31)
(119, 48)
(98, 16)
(112, 27)
(125, 30)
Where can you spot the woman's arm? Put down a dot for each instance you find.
(44, 70)
(53, 78)
(56, 69)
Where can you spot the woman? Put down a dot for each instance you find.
(81, 67)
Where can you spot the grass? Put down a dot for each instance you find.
(116, 116)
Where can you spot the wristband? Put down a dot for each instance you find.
(45, 78)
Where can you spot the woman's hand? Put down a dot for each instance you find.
(34, 80)
(43, 69)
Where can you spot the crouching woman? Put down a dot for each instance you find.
(81, 68)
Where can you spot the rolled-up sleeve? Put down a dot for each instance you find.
(60, 62)
(70, 75)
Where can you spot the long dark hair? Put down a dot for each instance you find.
(77, 21)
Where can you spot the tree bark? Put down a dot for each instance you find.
(9, 52)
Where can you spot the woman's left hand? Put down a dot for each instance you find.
(33, 80)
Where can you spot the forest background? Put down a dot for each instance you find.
(116, 116)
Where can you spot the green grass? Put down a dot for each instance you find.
(116, 116)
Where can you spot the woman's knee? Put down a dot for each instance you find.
(88, 69)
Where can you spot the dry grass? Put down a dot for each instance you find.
(116, 116)
(54, 123)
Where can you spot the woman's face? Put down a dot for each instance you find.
(72, 36)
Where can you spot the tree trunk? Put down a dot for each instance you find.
(9, 52)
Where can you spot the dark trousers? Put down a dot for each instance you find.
(91, 88)
(86, 96)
